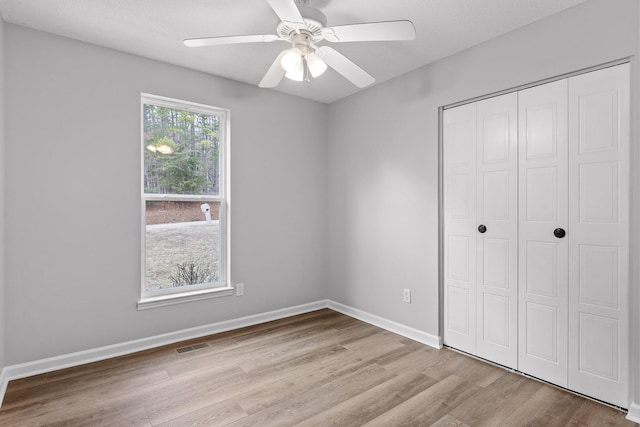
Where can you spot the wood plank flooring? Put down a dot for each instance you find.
(317, 369)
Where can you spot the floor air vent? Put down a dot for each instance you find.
(192, 347)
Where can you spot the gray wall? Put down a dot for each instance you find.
(383, 154)
(2, 195)
(73, 196)
(366, 173)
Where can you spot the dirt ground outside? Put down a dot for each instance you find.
(177, 233)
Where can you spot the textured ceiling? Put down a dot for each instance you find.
(156, 28)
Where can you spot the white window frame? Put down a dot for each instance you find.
(170, 296)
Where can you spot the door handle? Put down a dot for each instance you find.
(559, 233)
(482, 228)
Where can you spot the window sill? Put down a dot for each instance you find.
(165, 300)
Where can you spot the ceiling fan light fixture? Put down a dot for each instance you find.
(296, 74)
(316, 65)
(292, 60)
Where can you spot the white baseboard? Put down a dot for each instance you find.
(36, 367)
(4, 381)
(406, 331)
(634, 412)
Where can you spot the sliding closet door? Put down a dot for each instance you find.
(543, 249)
(497, 234)
(459, 198)
(599, 234)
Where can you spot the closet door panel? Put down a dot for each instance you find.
(497, 247)
(541, 197)
(543, 207)
(459, 198)
(541, 269)
(542, 337)
(599, 124)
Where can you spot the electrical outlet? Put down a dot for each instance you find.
(239, 289)
(406, 295)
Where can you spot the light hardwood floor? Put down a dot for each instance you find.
(317, 369)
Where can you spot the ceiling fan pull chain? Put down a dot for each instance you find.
(305, 68)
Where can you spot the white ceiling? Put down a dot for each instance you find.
(156, 28)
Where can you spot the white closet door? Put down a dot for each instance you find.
(543, 257)
(497, 246)
(599, 234)
(459, 198)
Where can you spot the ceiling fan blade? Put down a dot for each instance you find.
(374, 31)
(344, 66)
(288, 12)
(275, 73)
(215, 41)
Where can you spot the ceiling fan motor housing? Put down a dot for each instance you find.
(314, 21)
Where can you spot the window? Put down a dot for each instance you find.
(184, 201)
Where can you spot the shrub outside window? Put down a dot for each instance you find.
(184, 197)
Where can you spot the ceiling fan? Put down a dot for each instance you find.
(303, 27)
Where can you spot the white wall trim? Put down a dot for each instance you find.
(4, 381)
(36, 367)
(634, 412)
(406, 331)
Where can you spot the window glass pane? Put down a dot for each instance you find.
(182, 244)
(182, 151)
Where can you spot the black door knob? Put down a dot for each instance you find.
(559, 233)
(482, 228)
